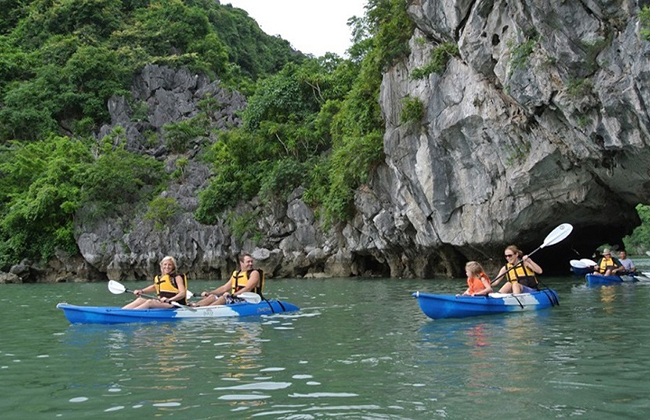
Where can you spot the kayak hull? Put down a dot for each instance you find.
(115, 315)
(600, 280)
(581, 271)
(450, 306)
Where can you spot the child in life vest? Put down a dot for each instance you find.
(477, 281)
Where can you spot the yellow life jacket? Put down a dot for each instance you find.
(166, 286)
(606, 263)
(522, 275)
(239, 280)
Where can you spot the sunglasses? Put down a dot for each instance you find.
(509, 255)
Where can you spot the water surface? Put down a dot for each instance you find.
(358, 349)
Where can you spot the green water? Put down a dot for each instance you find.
(359, 349)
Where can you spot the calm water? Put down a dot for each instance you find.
(359, 349)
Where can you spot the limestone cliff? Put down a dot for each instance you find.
(540, 118)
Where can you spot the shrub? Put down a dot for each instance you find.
(412, 110)
(438, 62)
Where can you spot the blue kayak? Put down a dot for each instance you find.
(451, 306)
(581, 271)
(601, 280)
(116, 315)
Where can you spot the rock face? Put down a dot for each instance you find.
(541, 118)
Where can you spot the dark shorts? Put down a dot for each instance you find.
(530, 283)
(234, 299)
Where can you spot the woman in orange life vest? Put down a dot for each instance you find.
(478, 283)
(520, 279)
(169, 286)
(246, 279)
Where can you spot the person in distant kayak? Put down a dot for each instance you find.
(608, 265)
(630, 268)
(169, 287)
(520, 272)
(246, 279)
(478, 283)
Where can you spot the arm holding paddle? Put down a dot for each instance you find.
(170, 289)
(238, 288)
(512, 255)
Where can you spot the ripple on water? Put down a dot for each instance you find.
(324, 395)
(167, 404)
(243, 397)
(272, 369)
(256, 385)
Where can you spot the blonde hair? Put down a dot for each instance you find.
(168, 258)
(474, 268)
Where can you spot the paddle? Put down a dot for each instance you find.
(588, 262)
(557, 235)
(577, 264)
(581, 264)
(118, 288)
(249, 297)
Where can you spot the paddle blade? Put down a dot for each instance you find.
(250, 297)
(587, 262)
(115, 287)
(577, 264)
(557, 235)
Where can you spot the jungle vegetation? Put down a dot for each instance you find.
(311, 121)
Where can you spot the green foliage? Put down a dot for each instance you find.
(520, 54)
(326, 108)
(39, 192)
(181, 168)
(284, 175)
(579, 88)
(412, 110)
(644, 20)
(61, 61)
(438, 62)
(244, 226)
(161, 210)
(119, 179)
(639, 241)
(179, 135)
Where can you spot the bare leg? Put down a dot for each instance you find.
(139, 301)
(516, 288)
(151, 303)
(507, 288)
(206, 301)
(220, 301)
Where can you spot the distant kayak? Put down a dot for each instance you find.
(116, 315)
(600, 280)
(451, 306)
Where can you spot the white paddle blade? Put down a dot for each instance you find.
(188, 294)
(250, 297)
(115, 287)
(558, 234)
(577, 264)
(588, 262)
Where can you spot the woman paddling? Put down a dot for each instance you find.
(169, 286)
(520, 272)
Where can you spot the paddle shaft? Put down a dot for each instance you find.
(171, 302)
